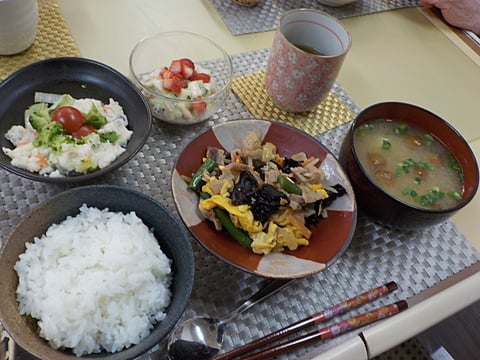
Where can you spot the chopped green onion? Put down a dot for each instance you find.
(406, 165)
(429, 140)
(365, 128)
(455, 195)
(401, 129)
(431, 197)
(424, 165)
(453, 163)
(369, 126)
(386, 145)
(409, 191)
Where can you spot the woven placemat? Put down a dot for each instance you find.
(330, 113)
(265, 15)
(53, 40)
(416, 260)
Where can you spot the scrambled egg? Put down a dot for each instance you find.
(283, 231)
(241, 215)
(319, 188)
(275, 239)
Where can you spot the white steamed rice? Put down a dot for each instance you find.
(97, 281)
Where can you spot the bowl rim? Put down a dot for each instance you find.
(148, 342)
(119, 161)
(354, 126)
(212, 97)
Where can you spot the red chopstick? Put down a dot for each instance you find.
(317, 318)
(331, 331)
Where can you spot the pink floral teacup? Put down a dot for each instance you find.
(308, 50)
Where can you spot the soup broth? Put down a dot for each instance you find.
(409, 164)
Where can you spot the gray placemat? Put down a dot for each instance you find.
(416, 260)
(265, 15)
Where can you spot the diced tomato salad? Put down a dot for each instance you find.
(181, 80)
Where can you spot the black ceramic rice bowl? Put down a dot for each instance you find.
(168, 231)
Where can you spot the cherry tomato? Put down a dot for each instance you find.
(83, 131)
(69, 117)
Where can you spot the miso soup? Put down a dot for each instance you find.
(409, 164)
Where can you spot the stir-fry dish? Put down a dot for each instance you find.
(63, 136)
(264, 200)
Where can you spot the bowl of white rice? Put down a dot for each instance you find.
(98, 271)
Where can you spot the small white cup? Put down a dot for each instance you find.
(18, 25)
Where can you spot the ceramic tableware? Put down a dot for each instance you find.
(391, 210)
(330, 236)
(307, 53)
(80, 78)
(18, 25)
(168, 231)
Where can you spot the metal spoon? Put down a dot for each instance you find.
(200, 338)
(7, 345)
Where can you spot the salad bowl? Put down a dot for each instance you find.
(330, 237)
(183, 85)
(80, 78)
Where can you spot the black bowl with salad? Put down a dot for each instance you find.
(70, 120)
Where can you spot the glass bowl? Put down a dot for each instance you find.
(195, 103)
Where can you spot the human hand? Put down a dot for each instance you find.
(464, 14)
